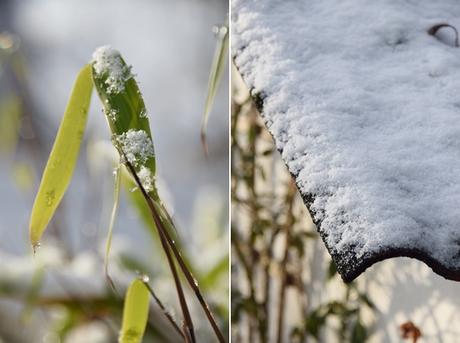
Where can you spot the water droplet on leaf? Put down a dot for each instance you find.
(50, 197)
(220, 31)
(144, 278)
(35, 247)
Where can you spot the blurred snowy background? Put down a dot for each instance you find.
(170, 45)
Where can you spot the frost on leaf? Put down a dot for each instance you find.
(146, 178)
(108, 62)
(111, 114)
(136, 145)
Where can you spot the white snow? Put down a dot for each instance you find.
(111, 113)
(146, 178)
(108, 60)
(365, 106)
(137, 146)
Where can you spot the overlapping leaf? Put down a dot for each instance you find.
(135, 313)
(126, 113)
(63, 157)
(215, 76)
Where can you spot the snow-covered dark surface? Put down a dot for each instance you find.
(364, 105)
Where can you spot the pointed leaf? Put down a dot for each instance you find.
(63, 157)
(135, 313)
(126, 113)
(215, 75)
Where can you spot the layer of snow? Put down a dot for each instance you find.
(108, 61)
(137, 146)
(365, 107)
(146, 178)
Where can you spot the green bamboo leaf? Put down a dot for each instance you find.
(135, 313)
(126, 113)
(215, 76)
(63, 157)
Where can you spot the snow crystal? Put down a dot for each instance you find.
(143, 113)
(111, 113)
(364, 105)
(108, 61)
(136, 145)
(146, 178)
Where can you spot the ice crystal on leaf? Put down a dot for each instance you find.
(108, 61)
(146, 178)
(136, 145)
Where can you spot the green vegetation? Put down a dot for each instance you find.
(130, 132)
(135, 313)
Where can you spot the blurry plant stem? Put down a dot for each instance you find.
(254, 207)
(168, 245)
(116, 198)
(245, 250)
(255, 251)
(237, 244)
(264, 213)
(84, 304)
(189, 334)
(284, 274)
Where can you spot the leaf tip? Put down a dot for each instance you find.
(204, 142)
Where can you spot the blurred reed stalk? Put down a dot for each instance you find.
(272, 241)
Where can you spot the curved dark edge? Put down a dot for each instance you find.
(348, 265)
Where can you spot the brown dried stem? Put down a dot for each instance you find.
(168, 243)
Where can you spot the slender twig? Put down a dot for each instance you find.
(116, 197)
(161, 306)
(189, 334)
(188, 323)
(164, 235)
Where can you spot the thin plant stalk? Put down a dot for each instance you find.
(194, 285)
(215, 76)
(161, 306)
(164, 235)
(287, 228)
(189, 334)
(188, 274)
(116, 198)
